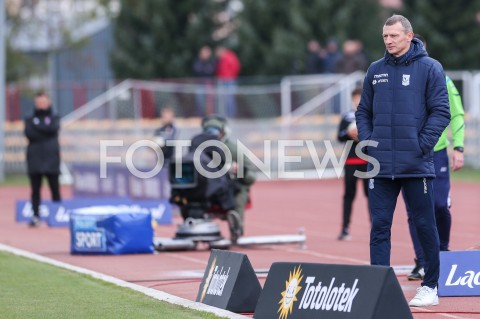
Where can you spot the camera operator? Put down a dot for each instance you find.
(218, 125)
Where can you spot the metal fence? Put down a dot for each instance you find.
(302, 108)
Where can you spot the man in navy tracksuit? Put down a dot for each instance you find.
(404, 108)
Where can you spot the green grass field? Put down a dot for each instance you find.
(14, 179)
(31, 289)
(465, 174)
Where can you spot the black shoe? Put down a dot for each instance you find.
(417, 272)
(344, 235)
(35, 222)
(234, 225)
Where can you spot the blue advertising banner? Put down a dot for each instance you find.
(58, 214)
(459, 273)
(118, 182)
(110, 230)
(87, 182)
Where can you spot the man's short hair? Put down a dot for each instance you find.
(41, 93)
(399, 18)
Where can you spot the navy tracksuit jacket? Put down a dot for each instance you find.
(404, 107)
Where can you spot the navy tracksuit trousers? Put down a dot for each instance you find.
(419, 196)
(441, 185)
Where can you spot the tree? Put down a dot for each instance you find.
(160, 38)
(451, 28)
(51, 22)
(272, 35)
(19, 65)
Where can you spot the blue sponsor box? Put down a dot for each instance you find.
(110, 230)
(459, 273)
(58, 214)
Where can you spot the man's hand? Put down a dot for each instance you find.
(457, 160)
(352, 131)
(234, 169)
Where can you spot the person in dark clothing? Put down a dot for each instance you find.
(347, 131)
(204, 67)
(314, 60)
(402, 113)
(352, 58)
(243, 176)
(167, 132)
(331, 56)
(195, 192)
(43, 152)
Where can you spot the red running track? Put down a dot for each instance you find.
(278, 208)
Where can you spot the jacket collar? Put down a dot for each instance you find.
(415, 52)
(45, 112)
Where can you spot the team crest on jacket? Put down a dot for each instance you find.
(406, 79)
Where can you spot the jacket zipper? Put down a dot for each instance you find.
(392, 118)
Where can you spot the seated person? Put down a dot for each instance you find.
(195, 193)
(167, 132)
(218, 125)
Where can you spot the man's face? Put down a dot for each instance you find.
(168, 116)
(42, 102)
(205, 53)
(397, 39)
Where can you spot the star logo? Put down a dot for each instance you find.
(289, 295)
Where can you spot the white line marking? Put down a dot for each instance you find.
(440, 314)
(328, 256)
(186, 258)
(163, 296)
(399, 269)
(156, 294)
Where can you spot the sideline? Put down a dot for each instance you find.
(156, 294)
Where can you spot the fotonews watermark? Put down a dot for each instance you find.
(214, 159)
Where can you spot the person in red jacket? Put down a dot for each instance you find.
(228, 68)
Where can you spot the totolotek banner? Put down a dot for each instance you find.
(459, 273)
(311, 291)
(57, 214)
(229, 282)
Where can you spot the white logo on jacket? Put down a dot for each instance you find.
(406, 79)
(380, 78)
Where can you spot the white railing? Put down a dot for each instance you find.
(98, 102)
(467, 90)
(302, 80)
(339, 85)
(474, 94)
(297, 100)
